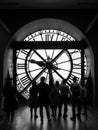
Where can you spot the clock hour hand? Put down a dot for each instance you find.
(40, 63)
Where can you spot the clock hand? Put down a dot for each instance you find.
(40, 63)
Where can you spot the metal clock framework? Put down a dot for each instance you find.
(38, 56)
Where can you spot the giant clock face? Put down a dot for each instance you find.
(58, 64)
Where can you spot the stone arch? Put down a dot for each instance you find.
(50, 23)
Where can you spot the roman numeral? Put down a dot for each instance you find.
(19, 86)
(25, 80)
(32, 37)
(48, 37)
(20, 66)
(72, 76)
(75, 51)
(63, 39)
(24, 51)
(40, 33)
(68, 83)
(41, 37)
(57, 37)
(77, 73)
(76, 66)
(17, 52)
(70, 80)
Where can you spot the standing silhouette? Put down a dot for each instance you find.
(83, 96)
(43, 89)
(75, 89)
(33, 99)
(57, 87)
(53, 96)
(64, 97)
(10, 102)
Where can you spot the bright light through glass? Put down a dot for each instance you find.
(32, 65)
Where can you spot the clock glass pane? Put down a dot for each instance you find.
(51, 63)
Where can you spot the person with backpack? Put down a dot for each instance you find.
(75, 99)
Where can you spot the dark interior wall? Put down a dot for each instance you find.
(93, 38)
(4, 38)
(17, 18)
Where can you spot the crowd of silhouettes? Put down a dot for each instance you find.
(52, 97)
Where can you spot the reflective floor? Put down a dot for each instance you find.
(22, 121)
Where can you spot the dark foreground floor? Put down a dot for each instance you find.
(22, 121)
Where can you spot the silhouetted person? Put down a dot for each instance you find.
(75, 89)
(53, 96)
(57, 87)
(83, 96)
(43, 89)
(10, 102)
(64, 97)
(33, 99)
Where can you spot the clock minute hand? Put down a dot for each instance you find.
(40, 63)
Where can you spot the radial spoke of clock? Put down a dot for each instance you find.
(29, 71)
(76, 58)
(63, 69)
(52, 53)
(25, 88)
(57, 56)
(58, 74)
(46, 53)
(62, 62)
(35, 70)
(46, 76)
(39, 55)
(39, 74)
